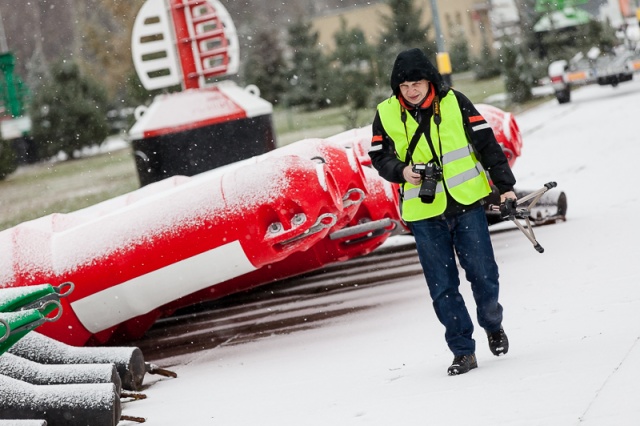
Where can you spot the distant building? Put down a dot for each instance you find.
(478, 21)
(458, 18)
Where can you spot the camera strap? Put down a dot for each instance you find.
(412, 145)
(420, 130)
(437, 159)
(414, 140)
(437, 119)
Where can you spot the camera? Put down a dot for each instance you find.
(431, 174)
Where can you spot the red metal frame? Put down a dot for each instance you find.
(189, 42)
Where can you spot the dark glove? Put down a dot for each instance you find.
(508, 209)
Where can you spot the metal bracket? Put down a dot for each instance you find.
(318, 226)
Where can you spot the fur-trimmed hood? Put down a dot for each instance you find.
(413, 65)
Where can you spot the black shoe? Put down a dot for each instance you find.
(498, 342)
(462, 363)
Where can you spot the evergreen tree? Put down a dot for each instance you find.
(518, 73)
(487, 65)
(68, 112)
(403, 29)
(136, 94)
(598, 34)
(309, 75)
(103, 33)
(8, 160)
(528, 40)
(459, 53)
(265, 65)
(400, 31)
(352, 61)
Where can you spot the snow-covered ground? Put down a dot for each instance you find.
(572, 315)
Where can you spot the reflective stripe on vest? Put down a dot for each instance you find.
(456, 180)
(464, 176)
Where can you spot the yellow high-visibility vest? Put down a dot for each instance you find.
(463, 175)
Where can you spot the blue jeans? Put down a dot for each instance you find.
(466, 234)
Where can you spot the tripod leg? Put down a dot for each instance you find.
(528, 232)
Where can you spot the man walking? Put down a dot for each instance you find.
(432, 141)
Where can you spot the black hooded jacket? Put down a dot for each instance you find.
(413, 65)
